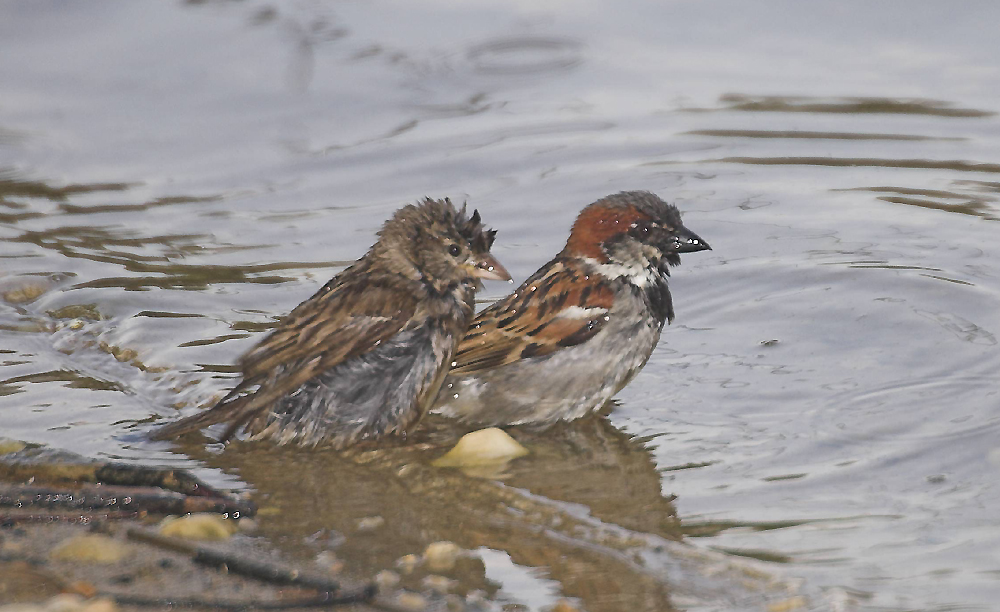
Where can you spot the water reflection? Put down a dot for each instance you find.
(851, 105)
(812, 135)
(578, 509)
(926, 164)
(510, 56)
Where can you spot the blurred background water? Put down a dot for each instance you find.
(174, 176)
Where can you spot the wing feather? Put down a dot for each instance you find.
(339, 322)
(557, 307)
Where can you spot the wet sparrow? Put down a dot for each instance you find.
(366, 354)
(580, 328)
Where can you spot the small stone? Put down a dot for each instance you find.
(24, 292)
(64, 603)
(563, 606)
(11, 446)
(438, 584)
(411, 601)
(787, 605)
(483, 447)
(407, 563)
(202, 526)
(83, 588)
(370, 523)
(100, 605)
(330, 562)
(386, 579)
(93, 548)
(441, 556)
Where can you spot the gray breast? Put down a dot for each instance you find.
(367, 396)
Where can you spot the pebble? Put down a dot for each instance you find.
(370, 523)
(407, 563)
(93, 548)
(386, 579)
(11, 446)
(64, 603)
(411, 601)
(441, 556)
(201, 526)
(439, 584)
(787, 605)
(482, 447)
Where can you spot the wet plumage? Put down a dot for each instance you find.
(581, 327)
(365, 355)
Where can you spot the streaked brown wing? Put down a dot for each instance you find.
(337, 323)
(332, 326)
(557, 307)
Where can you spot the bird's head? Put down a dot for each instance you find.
(632, 231)
(442, 245)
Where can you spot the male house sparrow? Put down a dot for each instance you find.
(366, 355)
(580, 328)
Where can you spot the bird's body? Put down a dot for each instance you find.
(579, 329)
(365, 356)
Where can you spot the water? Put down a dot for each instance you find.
(175, 176)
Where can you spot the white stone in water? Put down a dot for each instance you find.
(483, 447)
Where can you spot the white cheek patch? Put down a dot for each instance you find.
(576, 312)
(639, 275)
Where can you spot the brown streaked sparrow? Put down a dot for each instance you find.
(581, 327)
(365, 356)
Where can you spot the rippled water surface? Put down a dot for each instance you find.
(175, 176)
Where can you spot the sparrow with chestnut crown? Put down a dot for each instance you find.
(581, 327)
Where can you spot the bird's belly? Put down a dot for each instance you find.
(562, 386)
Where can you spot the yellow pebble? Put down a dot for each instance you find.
(787, 605)
(198, 527)
(482, 447)
(93, 548)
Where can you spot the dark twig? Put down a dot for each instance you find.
(236, 564)
(129, 499)
(323, 600)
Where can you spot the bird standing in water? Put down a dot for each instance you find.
(581, 327)
(365, 356)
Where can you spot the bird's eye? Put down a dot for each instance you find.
(453, 250)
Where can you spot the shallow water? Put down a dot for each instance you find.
(175, 176)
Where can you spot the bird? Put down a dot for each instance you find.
(364, 357)
(580, 328)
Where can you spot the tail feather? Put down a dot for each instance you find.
(229, 408)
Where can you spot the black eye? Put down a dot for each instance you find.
(453, 250)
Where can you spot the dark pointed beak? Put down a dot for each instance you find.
(490, 269)
(685, 241)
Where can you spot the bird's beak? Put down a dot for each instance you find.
(684, 240)
(490, 269)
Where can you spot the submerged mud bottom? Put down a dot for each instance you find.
(583, 513)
